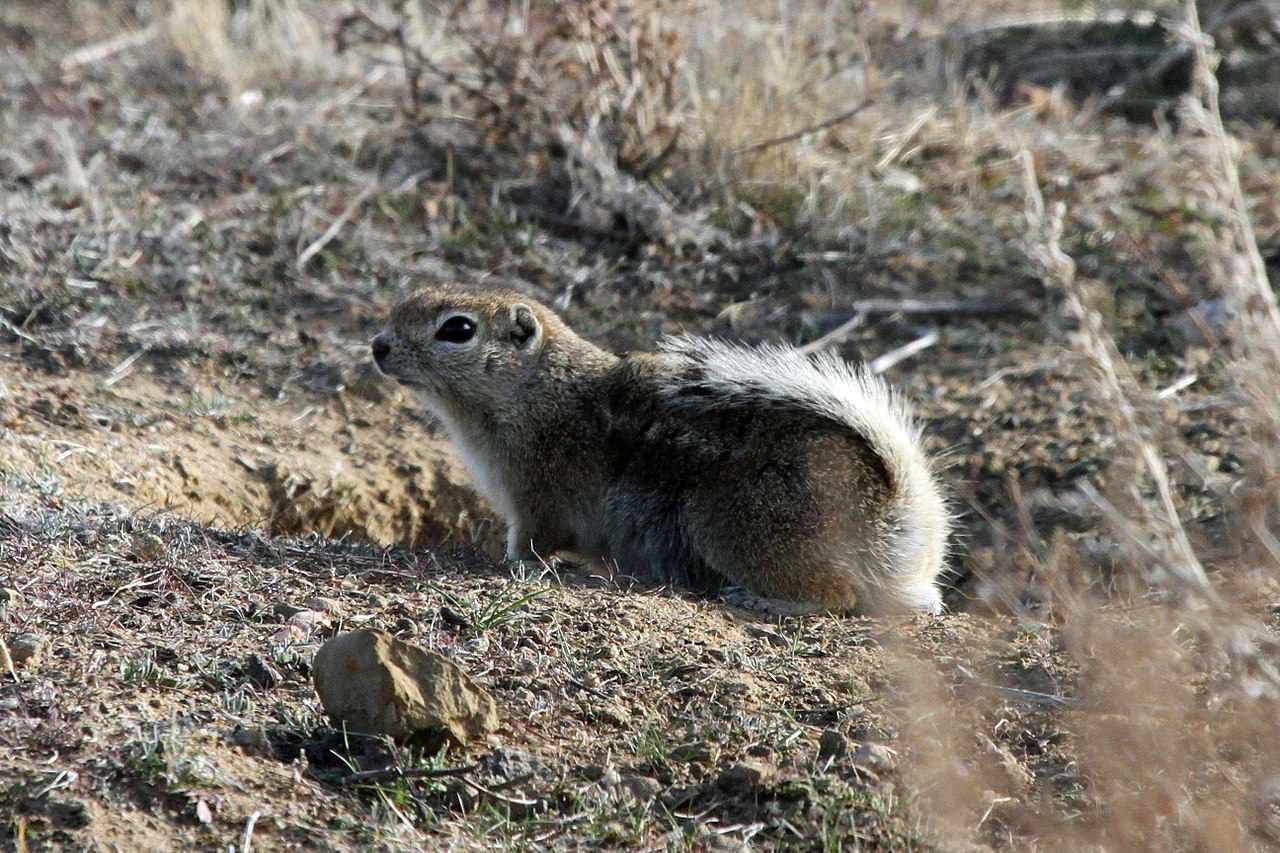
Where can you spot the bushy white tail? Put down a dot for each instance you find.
(831, 388)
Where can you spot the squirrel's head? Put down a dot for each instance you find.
(462, 351)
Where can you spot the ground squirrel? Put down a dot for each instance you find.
(797, 477)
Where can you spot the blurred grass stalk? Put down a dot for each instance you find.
(1158, 540)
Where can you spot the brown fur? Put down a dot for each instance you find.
(586, 452)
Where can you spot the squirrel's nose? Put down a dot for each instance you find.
(380, 348)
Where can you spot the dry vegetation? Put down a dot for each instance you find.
(206, 208)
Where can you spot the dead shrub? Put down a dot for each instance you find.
(247, 44)
(515, 73)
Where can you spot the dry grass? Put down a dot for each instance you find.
(1113, 684)
(249, 45)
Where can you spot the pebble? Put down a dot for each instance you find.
(745, 776)
(875, 756)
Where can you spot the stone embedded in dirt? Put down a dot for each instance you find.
(146, 547)
(28, 649)
(614, 714)
(285, 610)
(519, 775)
(253, 739)
(745, 776)
(643, 788)
(832, 744)
(9, 598)
(323, 605)
(309, 620)
(875, 756)
(377, 684)
(261, 673)
(696, 752)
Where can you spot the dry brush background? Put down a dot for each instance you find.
(1053, 224)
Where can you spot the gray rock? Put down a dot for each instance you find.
(252, 739)
(614, 714)
(876, 757)
(323, 605)
(9, 598)
(643, 788)
(745, 776)
(696, 752)
(377, 684)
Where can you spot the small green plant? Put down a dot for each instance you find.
(142, 670)
(497, 610)
(161, 756)
(652, 744)
(238, 702)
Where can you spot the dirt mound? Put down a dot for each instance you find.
(344, 467)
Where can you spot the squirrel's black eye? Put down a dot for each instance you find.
(456, 330)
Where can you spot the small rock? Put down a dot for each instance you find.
(309, 620)
(253, 739)
(9, 598)
(28, 649)
(875, 756)
(146, 547)
(832, 744)
(643, 788)
(323, 605)
(614, 715)
(697, 752)
(505, 765)
(745, 776)
(261, 673)
(380, 685)
(284, 610)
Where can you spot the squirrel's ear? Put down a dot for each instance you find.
(526, 331)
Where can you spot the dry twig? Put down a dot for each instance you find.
(336, 226)
(1177, 556)
(802, 132)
